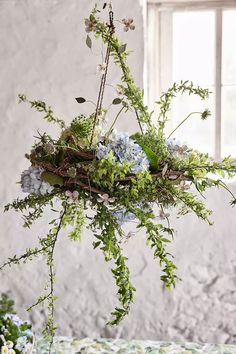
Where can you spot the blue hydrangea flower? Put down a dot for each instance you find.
(122, 216)
(14, 318)
(28, 333)
(31, 181)
(124, 150)
(177, 148)
(21, 343)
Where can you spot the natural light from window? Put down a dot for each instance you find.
(229, 83)
(193, 59)
(198, 45)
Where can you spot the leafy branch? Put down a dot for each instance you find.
(41, 106)
(106, 223)
(166, 98)
(158, 241)
(132, 92)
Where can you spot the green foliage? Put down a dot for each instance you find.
(35, 205)
(81, 127)
(158, 241)
(6, 305)
(107, 228)
(109, 187)
(89, 42)
(80, 99)
(106, 172)
(166, 98)
(75, 219)
(154, 146)
(13, 332)
(131, 91)
(152, 157)
(51, 178)
(41, 106)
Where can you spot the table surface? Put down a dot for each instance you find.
(64, 345)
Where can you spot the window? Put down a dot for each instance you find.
(196, 40)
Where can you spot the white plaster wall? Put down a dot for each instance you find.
(42, 53)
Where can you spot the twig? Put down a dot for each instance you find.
(75, 181)
(81, 154)
(103, 79)
(51, 275)
(182, 122)
(22, 257)
(178, 174)
(115, 120)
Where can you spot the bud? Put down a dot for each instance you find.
(49, 148)
(72, 172)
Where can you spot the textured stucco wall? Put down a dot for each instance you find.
(42, 53)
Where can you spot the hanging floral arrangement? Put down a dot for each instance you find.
(120, 177)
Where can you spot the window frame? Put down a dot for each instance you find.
(159, 30)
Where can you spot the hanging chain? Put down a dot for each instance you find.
(104, 76)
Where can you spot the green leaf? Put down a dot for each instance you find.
(116, 101)
(152, 157)
(136, 137)
(52, 178)
(80, 99)
(6, 305)
(122, 48)
(89, 42)
(96, 244)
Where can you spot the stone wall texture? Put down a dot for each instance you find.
(43, 54)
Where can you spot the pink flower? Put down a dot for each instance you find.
(128, 24)
(163, 215)
(90, 25)
(105, 199)
(72, 197)
(101, 68)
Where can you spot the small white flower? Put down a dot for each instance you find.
(4, 350)
(163, 215)
(10, 344)
(101, 68)
(3, 339)
(128, 24)
(105, 199)
(102, 118)
(72, 172)
(72, 197)
(21, 343)
(28, 348)
(184, 185)
(120, 90)
(90, 25)
(11, 351)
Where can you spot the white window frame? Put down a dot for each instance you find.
(159, 31)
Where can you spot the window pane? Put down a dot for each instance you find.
(193, 46)
(196, 133)
(229, 121)
(194, 59)
(229, 48)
